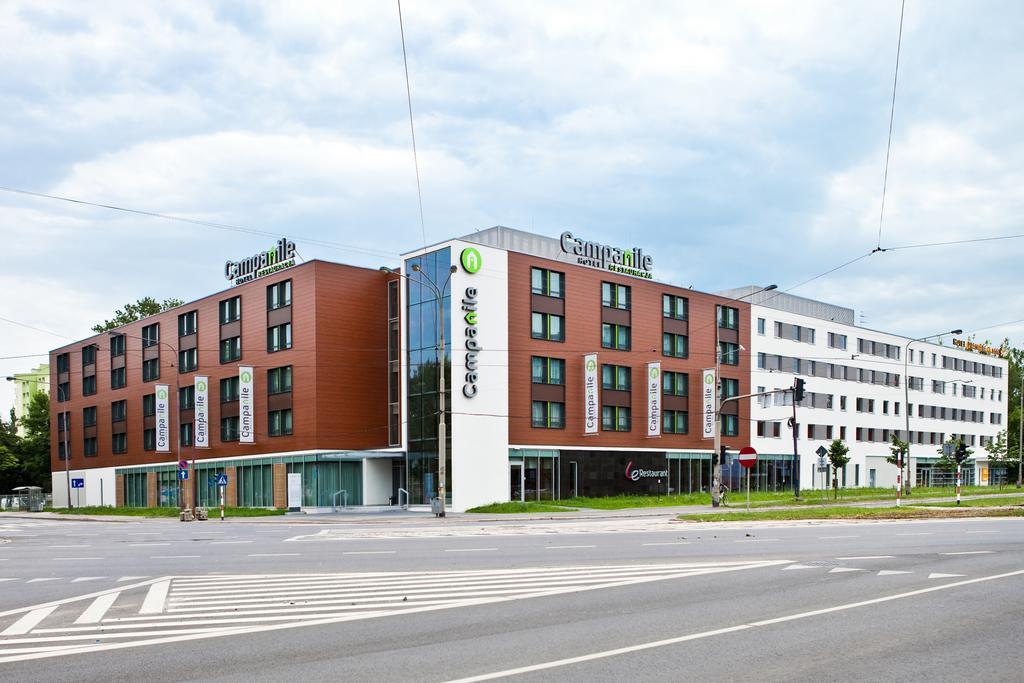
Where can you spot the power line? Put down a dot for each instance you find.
(412, 128)
(892, 113)
(952, 242)
(32, 327)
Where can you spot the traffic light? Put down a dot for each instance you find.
(798, 390)
(961, 453)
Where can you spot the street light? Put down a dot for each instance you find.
(177, 421)
(716, 457)
(442, 468)
(906, 412)
(67, 449)
(1020, 425)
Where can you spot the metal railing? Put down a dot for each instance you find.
(344, 500)
(400, 492)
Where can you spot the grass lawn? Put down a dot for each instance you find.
(847, 513)
(988, 501)
(507, 508)
(164, 512)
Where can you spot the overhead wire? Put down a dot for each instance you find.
(892, 113)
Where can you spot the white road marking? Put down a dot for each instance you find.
(567, 547)
(172, 557)
(155, 598)
(76, 559)
(840, 570)
(668, 543)
(145, 545)
(228, 542)
(916, 533)
(81, 579)
(69, 546)
(95, 612)
(370, 552)
(829, 538)
(708, 634)
(939, 575)
(468, 550)
(131, 578)
(983, 532)
(970, 552)
(799, 566)
(867, 557)
(52, 578)
(891, 572)
(274, 555)
(28, 622)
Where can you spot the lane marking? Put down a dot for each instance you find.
(80, 579)
(145, 545)
(939, 575)
(468, 550)
(708, 634)
(867, 557)
(131, 578)
(983, 532)
(65, 601)
(829, 538)
(567, 547)
(970, 552)
(917, 533)
(228, 542)
(840, 570)
(76, 559)
(799, 566)
(273, 555)
(52, 578)
(70, 546)
(95, 612)
(172, 557)
(28, 622)
(668, 543)
(370, 552)
(155, 598)
(890, 572)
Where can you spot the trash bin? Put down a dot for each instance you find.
(435, 505)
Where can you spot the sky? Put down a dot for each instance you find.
(737, 142)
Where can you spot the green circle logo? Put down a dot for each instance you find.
(200, 386)
(591, 365)
(709, 379)
(246, 377)
(654, 373)
(471, 261)
(162, 394)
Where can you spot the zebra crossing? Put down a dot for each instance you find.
(178, 608)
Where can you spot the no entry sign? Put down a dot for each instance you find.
(748, 457)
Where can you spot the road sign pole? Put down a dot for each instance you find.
(958, 483)
(748, 489)
(221, 503)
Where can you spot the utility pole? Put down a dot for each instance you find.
(1020, 425)
(798, 395)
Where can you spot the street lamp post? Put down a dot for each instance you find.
(716, 457)
(1020, 425)
(906, 414)
(61, 397)
(442, 434)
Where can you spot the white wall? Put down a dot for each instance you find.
(100, 488)
(376, 481)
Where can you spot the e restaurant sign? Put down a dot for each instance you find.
(262, 264)
(625, 261)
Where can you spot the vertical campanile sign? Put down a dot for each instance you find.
(246, 427)
(654, 399)
(202, 412)
(590, 400)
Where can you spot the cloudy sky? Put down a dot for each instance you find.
(737, 142)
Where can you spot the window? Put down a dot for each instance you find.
(675, 345)
(89, 355)
(916, 383)
(89, 446)
(229, 389)
(118, 378)
(969, 390)
(89, 385)
(616, 377)
(64, 362)
(547, 370)
(280, 422)
(677, 307)
(769, 429)
(865, 405)
(896, 408)
(118, 411)
(149, 405)
(188, 360)
(230, 310)
(187, 323)
(675, 384)
(279, 338)
(729, 353)
(185, 433)
(547, 282)
(615, 336)
(547, 326)
(730, 425)
(279, 295)
(149, 439)
(885, 407)
(89, 416)
(728, 317)
(62, 453)
(760, 325)
(230, 349)
(116, 345)
(615, 296)
(675, 422)
(150, 369)
(938, 387)
(279, 380)
(229, 428)
(547, 415)
(119, 443)
(837, 341)
(187, 398)
(615, 419)
(63, 421)
(150, 335)
(794, 332)
(730, 387)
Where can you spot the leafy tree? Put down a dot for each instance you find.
(35, 445)
(949, 463)
(837, 455)
(10, 463)
(897, 446)
(142, 308)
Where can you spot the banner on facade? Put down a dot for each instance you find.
(246, 428)
(201, 438)
(707, 388)
(163, 420)
(591, 405)
(654, 399)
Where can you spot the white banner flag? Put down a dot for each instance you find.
(591, 406)
(202, 413)
(163, 420)
(708, 414)
(246, 427)
(654, 399)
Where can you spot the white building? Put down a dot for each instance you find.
(855, 391)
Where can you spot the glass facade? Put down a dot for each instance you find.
(423, 344)
(322, 480)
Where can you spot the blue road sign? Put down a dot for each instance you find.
(78, 483)
(182, 474)
(222, 479)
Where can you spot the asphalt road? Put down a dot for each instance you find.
(419, 599)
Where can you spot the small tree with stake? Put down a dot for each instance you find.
(898, 446)
(837, 455)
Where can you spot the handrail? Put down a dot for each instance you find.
(400, 492)
(344, 497)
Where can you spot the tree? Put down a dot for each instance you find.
(10, 463)
(998, 454)
(35, 445)
(896, 447)
(837, 455)
(949, 462)
(142, 308)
